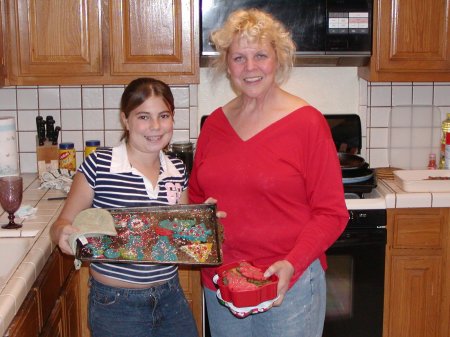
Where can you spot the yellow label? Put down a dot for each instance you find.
(67, 159)
(89, 149)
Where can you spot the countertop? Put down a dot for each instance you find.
(14, 290)
(36, 254)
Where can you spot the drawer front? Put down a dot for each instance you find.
(424, 231)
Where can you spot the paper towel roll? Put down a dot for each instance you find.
(9, 164)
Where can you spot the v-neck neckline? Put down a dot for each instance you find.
(263, 131)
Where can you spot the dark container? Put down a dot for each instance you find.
(185, 152)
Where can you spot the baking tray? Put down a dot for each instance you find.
(423, 180)
(179, 234)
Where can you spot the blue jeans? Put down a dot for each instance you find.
(301, 314)
(158, 311)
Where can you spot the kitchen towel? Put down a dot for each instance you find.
(9, 164)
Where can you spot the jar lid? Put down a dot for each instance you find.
(66, 146)
(92, 142)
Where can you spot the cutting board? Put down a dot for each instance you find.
(423, 180)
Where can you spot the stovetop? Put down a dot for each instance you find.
(373, 200)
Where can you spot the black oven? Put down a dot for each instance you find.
(355, 277)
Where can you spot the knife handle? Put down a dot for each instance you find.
(56, 135)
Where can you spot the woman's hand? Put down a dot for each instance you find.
(219, 214)
(284, 270)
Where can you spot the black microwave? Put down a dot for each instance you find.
(320, 28)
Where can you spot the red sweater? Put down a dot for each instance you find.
(282, 189)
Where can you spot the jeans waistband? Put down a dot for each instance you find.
(170, 284)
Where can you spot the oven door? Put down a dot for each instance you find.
(355, 284)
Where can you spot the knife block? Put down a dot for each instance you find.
(47, 157)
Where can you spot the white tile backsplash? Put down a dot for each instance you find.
(27, 98)
(422, 95)
(70, 98)
(401, 95)
(92, 112)
(381, 95)
(71, 120)
(49, 98)
(442, 95)
(93, 119)
(8, 98)
(92, 98)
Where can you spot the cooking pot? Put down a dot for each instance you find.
(351, 161)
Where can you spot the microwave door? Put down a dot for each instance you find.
(304, 18)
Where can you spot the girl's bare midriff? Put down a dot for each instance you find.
(121, 284)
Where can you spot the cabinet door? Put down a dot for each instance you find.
(411, 41)
(26, 322)
(155, 38)
(190, 282)
(415, 296)
(51, 40)
(2, 50)
(55, 325)
(72, 307)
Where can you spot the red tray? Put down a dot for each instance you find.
(246, 298)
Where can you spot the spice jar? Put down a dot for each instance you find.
(90, 146)
(184, 151)
(67, 156)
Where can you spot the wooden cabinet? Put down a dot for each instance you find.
(101, 41)
(191, 283)
(411, 41)
(26, 322)
(2, 58)
(417, 296)
(52, 307)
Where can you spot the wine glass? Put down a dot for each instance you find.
(11, 198)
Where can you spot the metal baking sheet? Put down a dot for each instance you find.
(179, 234)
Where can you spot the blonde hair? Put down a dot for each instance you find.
(254, 25)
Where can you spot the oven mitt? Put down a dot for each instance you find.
(91, 222)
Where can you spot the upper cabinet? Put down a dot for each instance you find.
(411, 41)
(101, 41)
(2, 58)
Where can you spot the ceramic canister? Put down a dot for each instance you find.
(9, 164)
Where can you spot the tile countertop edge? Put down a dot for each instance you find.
(395, 197)
(23, 278)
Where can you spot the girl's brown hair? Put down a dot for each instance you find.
(138, 91)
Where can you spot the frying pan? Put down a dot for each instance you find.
(350, 161)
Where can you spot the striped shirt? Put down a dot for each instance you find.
(117, 184)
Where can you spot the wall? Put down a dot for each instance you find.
(376, 101)
(83, 112)
(91, 112)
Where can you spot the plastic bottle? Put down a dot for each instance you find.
(90, 146)
(432, 161)
(445, 127)
(67, 156)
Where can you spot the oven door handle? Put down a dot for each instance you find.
(361, 237)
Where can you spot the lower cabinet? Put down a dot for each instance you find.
(56, 306)
(417, 295)
(52, 307)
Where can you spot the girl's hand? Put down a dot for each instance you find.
(219, 214)
(284, 270)
(62, 240)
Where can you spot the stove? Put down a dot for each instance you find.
(360, 184)
(355, 274)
